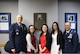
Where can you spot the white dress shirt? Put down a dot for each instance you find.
(29, 44)
(68, 31)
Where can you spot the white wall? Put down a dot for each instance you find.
(11, 7)
(28, 7)
(69, 7)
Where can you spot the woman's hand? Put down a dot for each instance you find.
(43, 49)
(58, 52)
(36, 50)
(40, 52)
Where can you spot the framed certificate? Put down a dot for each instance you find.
(5, 21)
(72, 18)
(39, 20)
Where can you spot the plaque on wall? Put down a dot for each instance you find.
(72, 18)
(5, 21)
(39, 20)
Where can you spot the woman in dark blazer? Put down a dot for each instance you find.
(55, 39)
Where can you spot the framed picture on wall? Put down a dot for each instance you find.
(39, 20)
(5, 21)
(72, 18)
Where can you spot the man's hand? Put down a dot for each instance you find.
(13, 50)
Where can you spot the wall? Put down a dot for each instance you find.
(28, 7)
(11, 7)
(68, 7)
(55, 12)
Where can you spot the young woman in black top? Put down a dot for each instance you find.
(55, 39)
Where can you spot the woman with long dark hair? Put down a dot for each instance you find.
(43, 41)
(31, 40)
(56, 39)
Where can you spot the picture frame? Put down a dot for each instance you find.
(72, 18)
(5, 21)
(39, 20)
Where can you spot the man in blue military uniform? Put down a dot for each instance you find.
(70, 40)
(17, 36)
